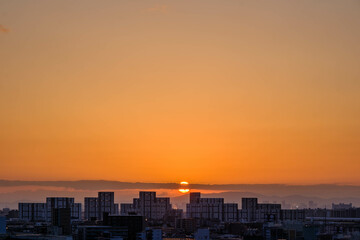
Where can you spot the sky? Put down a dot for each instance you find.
(207, 91)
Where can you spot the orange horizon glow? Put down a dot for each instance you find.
(218, 92)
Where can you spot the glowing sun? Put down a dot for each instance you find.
(184, 187)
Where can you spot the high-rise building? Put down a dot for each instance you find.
(195, 197)
(252, 211)
(249, 203)
(148, 205)
(91, 208)
(95, 207)
(76, 211)
(63, 202)
(32, 212)
(37, 212)
(230, 212)
(116, 209)
(205, 208)
(106, 204)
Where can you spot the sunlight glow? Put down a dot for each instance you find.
(184, 187)
(182, 190)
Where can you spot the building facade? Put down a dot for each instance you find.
(91, 211)
(63, 202)
(205, 208)
(148, 205)
(32, 212)
(106, 204)
(39, 212)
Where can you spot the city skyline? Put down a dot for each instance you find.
(153, 217)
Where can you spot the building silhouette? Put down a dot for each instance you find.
(148, 205)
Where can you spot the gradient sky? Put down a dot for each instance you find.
(235, 91)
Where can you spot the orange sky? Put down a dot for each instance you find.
(162, 91)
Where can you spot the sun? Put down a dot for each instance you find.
(184, 187)
(184, 190)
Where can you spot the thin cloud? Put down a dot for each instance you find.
(163, 9)
(4, 29)
(93, 185)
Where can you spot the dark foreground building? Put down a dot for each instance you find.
(61, 219)
(126, 227)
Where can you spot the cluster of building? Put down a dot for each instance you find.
(148, 205)
(251, 211)
(40, 212)
(150, 217)
(95, 207)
